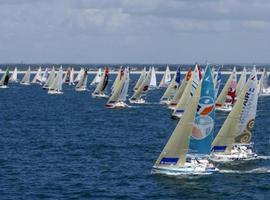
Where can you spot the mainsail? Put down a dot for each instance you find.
(45, 75)
(242, 81)
(71, 78)
(166, 79)
(217, 82)
(240, 122)
(97, 78)
(5, 78)
(57, 82)
(13, 77)
(50, 79)
(153, 78)
(82, 84)
(38, 77)
(141, 79)
(101, 86)
(26, 78)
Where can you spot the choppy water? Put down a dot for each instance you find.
(71, 147)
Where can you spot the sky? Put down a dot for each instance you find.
(134, 31)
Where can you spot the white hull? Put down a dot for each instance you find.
(265, 92)
(54, 92)
(3, 86)
(80, 89)
(167, 102)
(172, 107)
(225, 108)
(240, 152)
(100, 95)
(120, 104)
(177, 115)
(139, 101)
(25, 83)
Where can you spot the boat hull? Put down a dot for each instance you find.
(139, 101)
(120, 104)
(54, 92)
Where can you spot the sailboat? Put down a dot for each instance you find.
(264, 86)
(188, 93)
(56, 86)
(101, 86)
(171, 89)
(97, 78)
(227, 97)
(26, 78)
(179, 92)
(153, 79)
(242, 81)
(38, 77)
(71, 78)
(119, 94)
(67, 76)
(82, 84)
(217, 82)
(13, 77)
(80, 74)
(177, 157)
(4, 80)
(141, 79)
(50, 79)
(233, 141)
(138, 94)
(166, 79)
(117, 79)
(45, 75)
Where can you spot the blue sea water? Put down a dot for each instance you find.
(71, 147)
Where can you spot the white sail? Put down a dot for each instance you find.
(56, 86)
(141, 79)
(50, 79)
(79, 76)
(166, 79)
(101, 86)
(26, 78)
(82, 84)
(97, 78)
(45, 76)
(153, 79)
(242, 81)
(71, 78)
(38, 77)
(14, 75)
(124, 92)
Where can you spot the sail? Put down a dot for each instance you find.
(118, 88)
(153, 79)
(188, 92)
(45, 76)
(171, 89)
(141, 79)
(26, 78)
(83, 81)
(50, 79)
(179, 92)
(80, 74)
(165, 81)
(175, 151)
(203, 128)
(231, 95)
(13, 77)
(124, 92)
(222, 96)
(5, 78)
(58, 81)
(239, 123)
(143, 88)
(242, 81)
(97, 78)
(71, 77)
(264, 80)
(37, 77)
(117, 79)
(217, 82)
(101, 86)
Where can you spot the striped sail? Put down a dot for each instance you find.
(239, 123)
(188, 93)
(175, 151)
(203, 128)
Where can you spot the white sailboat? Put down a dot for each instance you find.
(67, 75)
(80, 74)
(174, 159)
(227, 97)
(26, 78)
(14, 76)
(171, 89)
(153, 79)
(45, 75)
(242, 81)
(5, 79)
(187, 94)
(38, 77)
(166, 79)
(264, 86)
(56, 86)
(71, 78)
(119, 94)
(233, 141)
(97, 78)
(50, 79)
(140, 93)
(101, 86)
(82, 84)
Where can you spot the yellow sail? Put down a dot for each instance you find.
(117, 88)
(175, 151)
(241, 82)
(231, 127)
(169, 92)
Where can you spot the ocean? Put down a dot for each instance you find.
(71, 147)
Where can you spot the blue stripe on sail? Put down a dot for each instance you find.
(180, 111)
(219, 148)
(169, 160)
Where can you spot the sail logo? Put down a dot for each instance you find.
(205, 106)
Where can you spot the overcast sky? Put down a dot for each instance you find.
(135, 31)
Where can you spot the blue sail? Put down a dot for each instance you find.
(178, 76)
(218, 82)
(203, 128)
